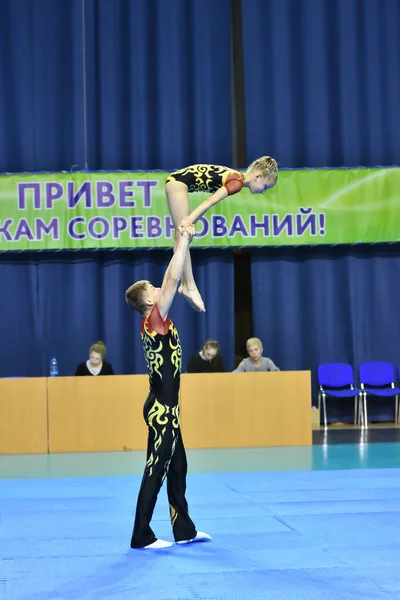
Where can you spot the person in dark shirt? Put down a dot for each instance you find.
(96, 365)
(207, 360)
(166, 456)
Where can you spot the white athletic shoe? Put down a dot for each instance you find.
(158, 545)
(200, 537)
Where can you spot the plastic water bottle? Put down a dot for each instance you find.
(53, 367)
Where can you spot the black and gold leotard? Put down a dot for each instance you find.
(163, 354)
(205, 178)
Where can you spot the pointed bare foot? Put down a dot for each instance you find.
(192, 296)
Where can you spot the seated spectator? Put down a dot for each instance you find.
(95, 365)
(207, 360)
(256, 361)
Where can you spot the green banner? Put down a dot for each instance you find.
(129, 210)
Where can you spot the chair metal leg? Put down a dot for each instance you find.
(361, 409)
(356, 410)
(324, 409)
(396, 410)
(365, 411)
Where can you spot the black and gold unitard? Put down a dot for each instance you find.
(166, 455)
(208, 178)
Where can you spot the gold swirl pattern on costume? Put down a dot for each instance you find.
(153, 356)
(201, 178)
(149, 464)
(147, 330)
(173, 513)
(176, 355)
(160, 414)
(157, 443)
(166, 468)
(175, 416)
(174, 330)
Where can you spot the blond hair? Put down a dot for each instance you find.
(266, 165)
(134, 296)
(254, 342)
(98, 347)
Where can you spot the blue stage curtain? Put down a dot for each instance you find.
(20, 325)
(59, 304)
(41, 85)
(312, 306)
(159, 83)
(322, 81)
(214, 274)
(82, 301)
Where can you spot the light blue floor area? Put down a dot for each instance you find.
(303, 458)
(326, 534)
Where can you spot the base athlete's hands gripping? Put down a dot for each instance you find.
(187, 230)
(184, 223)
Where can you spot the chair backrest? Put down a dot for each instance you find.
(335, 375)
(377, 373)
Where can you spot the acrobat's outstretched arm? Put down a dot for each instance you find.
(173, 273)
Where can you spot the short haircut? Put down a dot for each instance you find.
(254, 342)
(134, 296)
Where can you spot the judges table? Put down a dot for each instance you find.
(23, 416)
(99, 414)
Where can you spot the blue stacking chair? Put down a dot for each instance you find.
(377, 379)
(337, 380)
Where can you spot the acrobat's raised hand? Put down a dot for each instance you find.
(187, 229)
